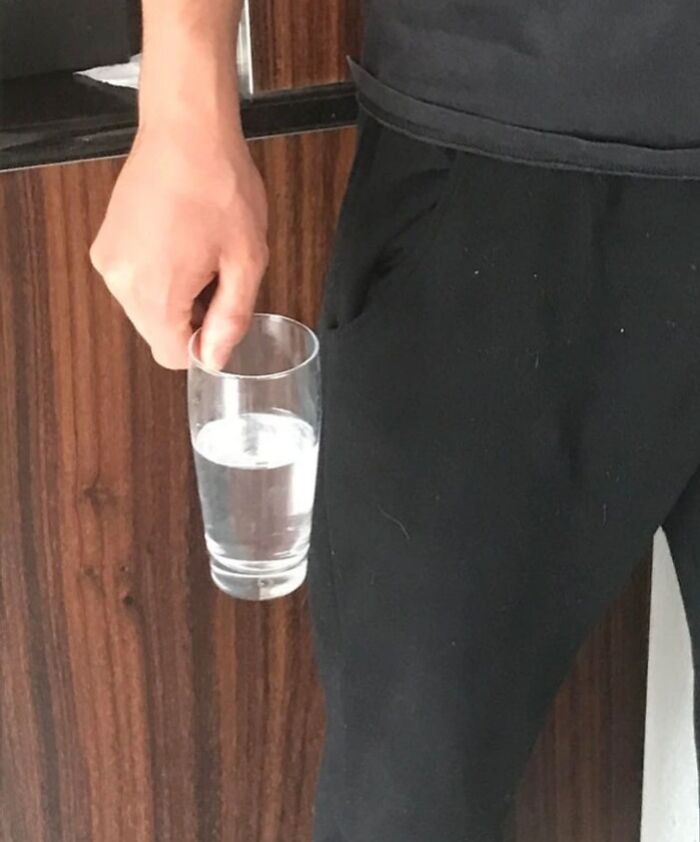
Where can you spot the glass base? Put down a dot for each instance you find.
(257, 586)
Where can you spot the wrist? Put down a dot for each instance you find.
(190, 82)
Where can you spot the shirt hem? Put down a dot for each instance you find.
(481, 135)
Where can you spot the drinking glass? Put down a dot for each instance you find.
(255, 429)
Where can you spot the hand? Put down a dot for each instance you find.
(189, 205)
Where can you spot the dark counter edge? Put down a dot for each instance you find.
(80, 138)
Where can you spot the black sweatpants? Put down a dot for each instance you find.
(511, 363)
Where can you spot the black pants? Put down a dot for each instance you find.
(511, 363)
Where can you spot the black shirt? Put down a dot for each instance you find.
(607, 85)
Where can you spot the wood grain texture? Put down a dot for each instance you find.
(297, 43)
(136, 701)
(583, 781)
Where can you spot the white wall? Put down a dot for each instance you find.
(670, 790)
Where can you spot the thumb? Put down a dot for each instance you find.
(228, 318)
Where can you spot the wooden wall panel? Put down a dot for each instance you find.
(583, 782)
(303, 42)
(136, 701)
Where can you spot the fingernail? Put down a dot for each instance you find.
(214, 353)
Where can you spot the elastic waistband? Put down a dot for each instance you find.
(483, 135)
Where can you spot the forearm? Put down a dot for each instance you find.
(189, 62)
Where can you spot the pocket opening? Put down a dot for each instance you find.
(372, 255)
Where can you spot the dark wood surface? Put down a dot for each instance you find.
(583, 782)
(59, 118)
(136, 702)
(303, 42)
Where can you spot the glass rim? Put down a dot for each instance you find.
(274, 375)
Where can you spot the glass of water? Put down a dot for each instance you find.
(255, 429)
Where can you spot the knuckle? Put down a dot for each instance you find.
(96, 260)
(235, 324)
(117, 270)
(166, 359)
(258, 259)
(119, 277)
(264, 256)
(234, 317)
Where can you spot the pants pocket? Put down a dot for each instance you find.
(397, 192)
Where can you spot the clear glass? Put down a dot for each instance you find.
(255, 429)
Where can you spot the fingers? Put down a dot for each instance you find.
(160, 312)
(164, 325)
(229, 315)
(201, 304)
(169, 343)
